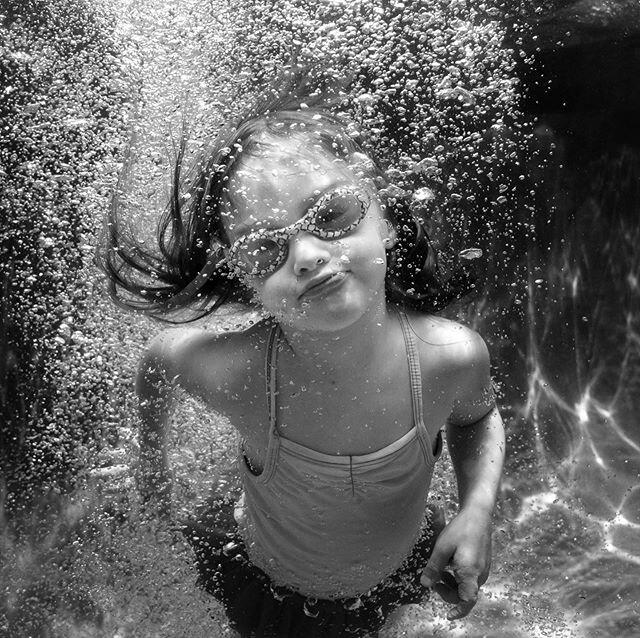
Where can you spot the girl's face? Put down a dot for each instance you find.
(326, 267)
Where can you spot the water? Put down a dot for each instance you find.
(554, 203)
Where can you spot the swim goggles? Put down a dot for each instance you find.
(335, 214)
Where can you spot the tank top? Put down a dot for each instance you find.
(334, 526)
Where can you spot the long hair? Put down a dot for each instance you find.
(187, 277)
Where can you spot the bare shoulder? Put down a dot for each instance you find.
(455, 358)
(202, 360)
(454, 345)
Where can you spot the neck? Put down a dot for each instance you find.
(354, 347)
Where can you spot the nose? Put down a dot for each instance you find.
(308, 252)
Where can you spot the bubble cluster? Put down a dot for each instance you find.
(431, 89)
(60, 124)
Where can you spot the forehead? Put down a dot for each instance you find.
(279, 181)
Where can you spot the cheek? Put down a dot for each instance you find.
(270, 292)
(366, 250)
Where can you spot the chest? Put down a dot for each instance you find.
(337, 419)
(370, 412)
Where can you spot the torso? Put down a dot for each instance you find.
(327, 414)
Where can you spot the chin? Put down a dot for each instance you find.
(327, 317)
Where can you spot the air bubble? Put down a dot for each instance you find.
(424, 195)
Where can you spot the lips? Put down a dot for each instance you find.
(323, 285)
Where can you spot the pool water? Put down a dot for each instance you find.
(555, 206)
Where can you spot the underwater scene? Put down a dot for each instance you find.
(515, 126)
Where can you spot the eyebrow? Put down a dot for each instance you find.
(241, 229)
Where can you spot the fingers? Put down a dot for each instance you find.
(467, 597)
(461, 610)
(447, 588)
(456, 570)
(460, 590)
(434, 569)
(430, 575)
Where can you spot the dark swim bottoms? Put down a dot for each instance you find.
(259, 609)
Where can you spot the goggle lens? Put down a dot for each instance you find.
(256, 254)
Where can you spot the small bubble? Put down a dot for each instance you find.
(470, 253)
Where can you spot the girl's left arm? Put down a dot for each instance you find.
(476, 442)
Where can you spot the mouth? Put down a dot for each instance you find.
(323, 285)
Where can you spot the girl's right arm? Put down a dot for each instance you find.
(155, 388)
(172, 358)
(220, 370)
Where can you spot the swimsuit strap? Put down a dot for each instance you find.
(415, 374)
(273, 445)
(271, 381)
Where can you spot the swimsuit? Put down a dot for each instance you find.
(333, 526)
(322, 544)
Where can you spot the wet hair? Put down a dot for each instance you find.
(187, 277)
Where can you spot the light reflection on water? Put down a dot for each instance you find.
(582, 366)
(567, 541)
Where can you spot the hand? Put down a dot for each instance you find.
(460, 561)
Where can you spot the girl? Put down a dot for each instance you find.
(338, 394)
